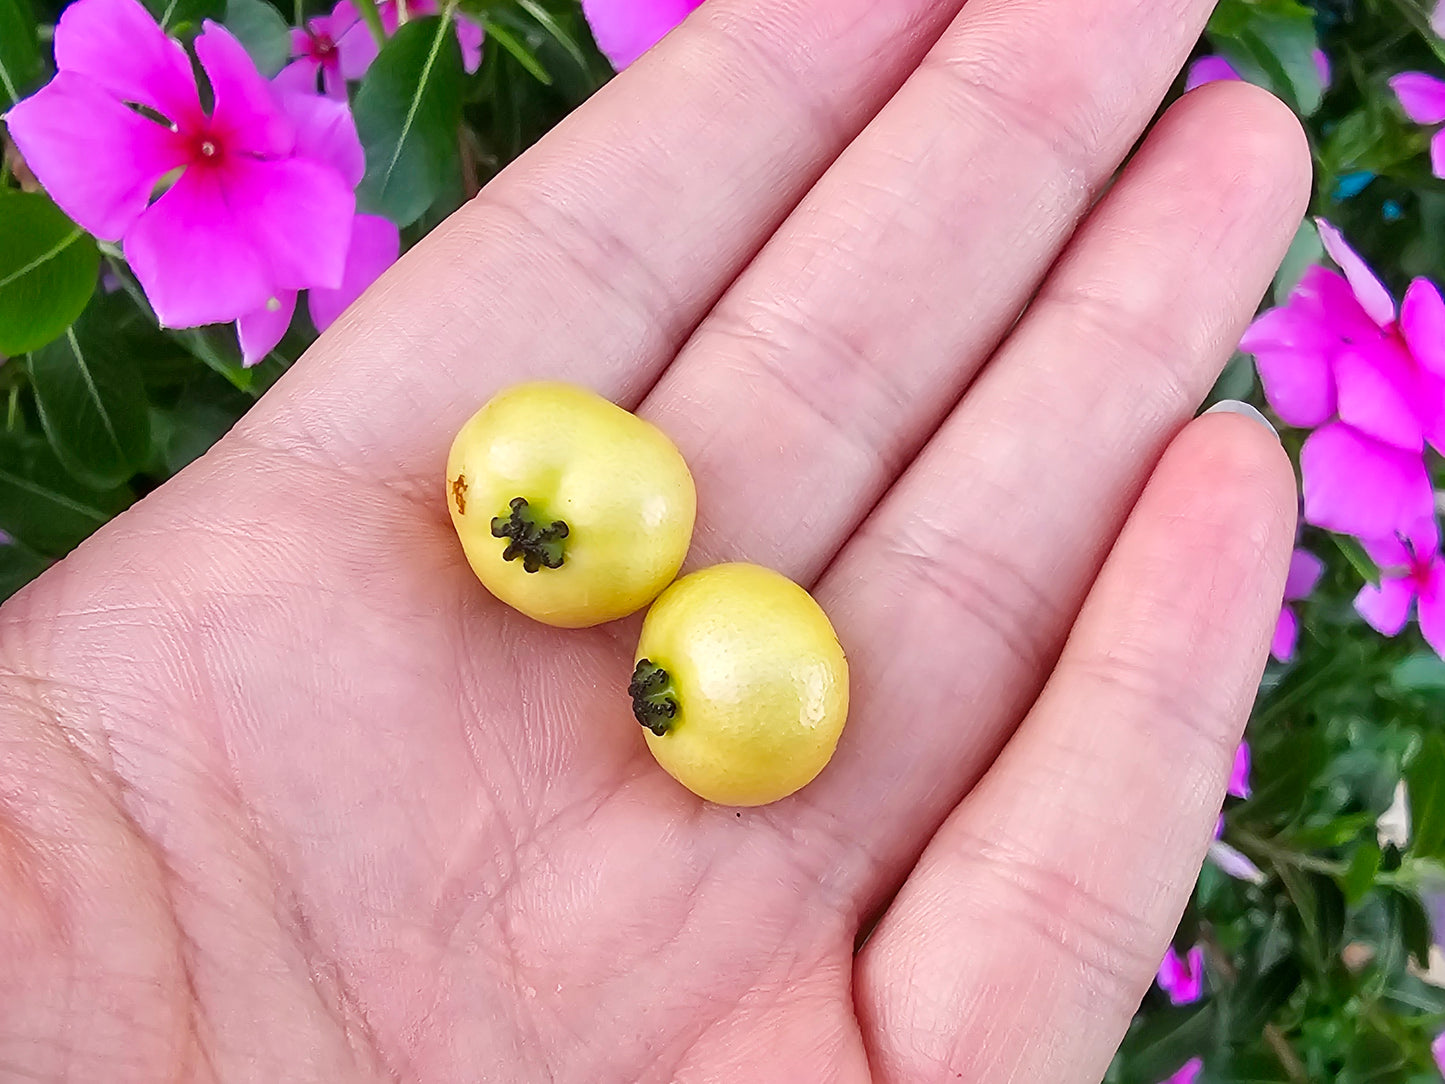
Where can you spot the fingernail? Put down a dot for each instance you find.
(1234, 406)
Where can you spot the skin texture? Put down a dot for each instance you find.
(286, 796)
(615, 480)
(759, 679)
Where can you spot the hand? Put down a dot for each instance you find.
(285, 796)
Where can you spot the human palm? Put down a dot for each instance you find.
(286, 796)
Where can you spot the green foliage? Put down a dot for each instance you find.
(48, 268)
(20, 65)
(408, 113)
(261, 29)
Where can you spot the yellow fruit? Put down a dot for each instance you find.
(741, 684)
(569, 508)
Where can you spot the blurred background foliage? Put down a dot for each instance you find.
(1321, 968)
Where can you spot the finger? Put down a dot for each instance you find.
(955, 596)
(594, 255)
(853, 333)
(1041, 909)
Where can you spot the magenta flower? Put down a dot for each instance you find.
(1336, 356)
(246, 214)
(1305, 570)
(469, 32)
(625, 29)
(1239, 776)
(1188, 1072)
(1214, 69)
(1423, 99)
(325, 132)
(1182, 977)
(1412, 573)
(1438, 1049)
(331, 48)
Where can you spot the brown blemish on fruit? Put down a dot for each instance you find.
(459, 494)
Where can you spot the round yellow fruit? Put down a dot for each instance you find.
(569, 508)
(741, 684)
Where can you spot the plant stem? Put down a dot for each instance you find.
(372, 18)
(1288, 1059)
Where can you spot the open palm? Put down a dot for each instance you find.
(286, 796)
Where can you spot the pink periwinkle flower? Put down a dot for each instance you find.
(1338, 356)
(1182, 977)
(1412, 574)
(1188, 1072)
(625, 29)
(1239, 775)
(469, 32)
(247, 215)
(326, 132)
(1438, 1049)
(1230, 861)
(1305, 570)
(1215, 69)
(330, 48)
(1423, 99)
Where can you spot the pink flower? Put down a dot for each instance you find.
(1336, 356)
(1305, 570)
(1230, 861)
(1188, 1072)
(332, 48)
(625, 29)
(326, 132)
(469, 32)
(1182, 977)
(246, 216)
(1210, 69)
(1412, 573)
(1423, 99)
(1239, 777)
(1438, 1049)
(1214, 69)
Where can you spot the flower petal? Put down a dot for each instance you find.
(1209, 69)
(1235, 864)
(260, 331)
(625, 29)
(1239, 774)
(1188, 1073)
(1386, 608)
(247, 117)
(1286, 635)
(297, 213)
(1422, 322)
(470, 36)
(1358, 486)
(1292, 352)
(1421, 96)
(326, 134)
(301, 76)
(375, 245)
(1369, 290)
(1378, 394)
(1305, 570)
(1323, 67)
(99, 160)
(1432, 608)
(196, 264)
(118, 46)
(1437, 153)
(1182, 977)
(355, 45)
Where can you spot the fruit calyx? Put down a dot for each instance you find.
(654, 701)
(538, 545)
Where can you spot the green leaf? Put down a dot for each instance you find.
(1424, 671)
(1164, 1041)
(20, 65)
(48, 269)
(408, 112)
(1304, 252)
(1359, 879)
(261, 29)
(184, 16)
(1359, 560)
(1272, 44)
(1256, 998)
(1321, 909)
(43, 505)
(1425, 786)
(19, 564)
(92, 404)
(524, 56)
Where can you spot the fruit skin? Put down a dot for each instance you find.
(618, 483)
(759, 679)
